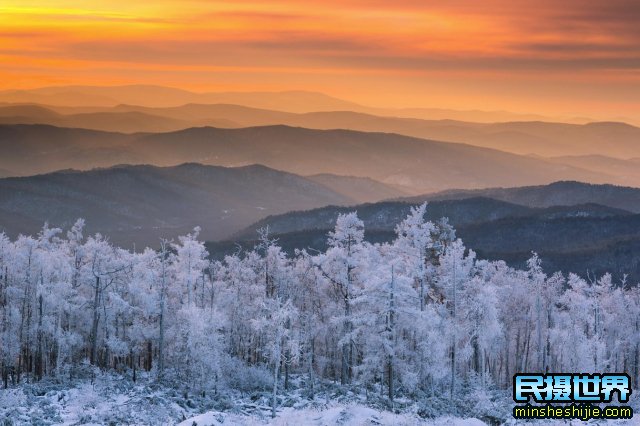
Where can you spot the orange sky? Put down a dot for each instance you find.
(547, 56)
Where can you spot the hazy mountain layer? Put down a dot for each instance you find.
(32, 149)
(392, 159)
(159, 96)
(292, 101)
(626, 172)
(524, 137)
(362, 190)
(140, 204)
(415, 164)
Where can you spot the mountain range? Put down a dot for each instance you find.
(291, 101)
(555, 194)
(572, 225)
(548, 139)
(413, 165)
(140, 204)
(588, 238)
(233, 162)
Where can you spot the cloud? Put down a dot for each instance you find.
(336, 40)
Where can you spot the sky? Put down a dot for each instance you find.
(579, 57)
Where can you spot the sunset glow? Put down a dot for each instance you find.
(571, 57)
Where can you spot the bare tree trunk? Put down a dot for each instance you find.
(133, 363)
(24, 315)
(311, 375)
(276, 373)
(39, 360)
(453, 334)
(346, 356)
(149, 355)
(391, 332)
(163, 291)
(94, 326)
(161, 341)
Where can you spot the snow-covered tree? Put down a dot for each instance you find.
(419, 316)
(341, 266)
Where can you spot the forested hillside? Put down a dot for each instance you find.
(586, 239)
(138, 204)
(418, 320)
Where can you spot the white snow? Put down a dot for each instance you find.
(109, 399)
(339, 414)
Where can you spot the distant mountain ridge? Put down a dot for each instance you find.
(140, 204)
(564, 193)
(150, 95)
(549, 139)
(292, 101)
(410, 164)
(626, 172)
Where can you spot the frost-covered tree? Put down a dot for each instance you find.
(418, 317)
(341, 266)
(455, 271)
(274, 324)
(190, 262)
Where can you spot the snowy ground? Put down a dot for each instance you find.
(91, 404)
(356, 414)
(339, 414)
(115, 400)
(88, 404)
